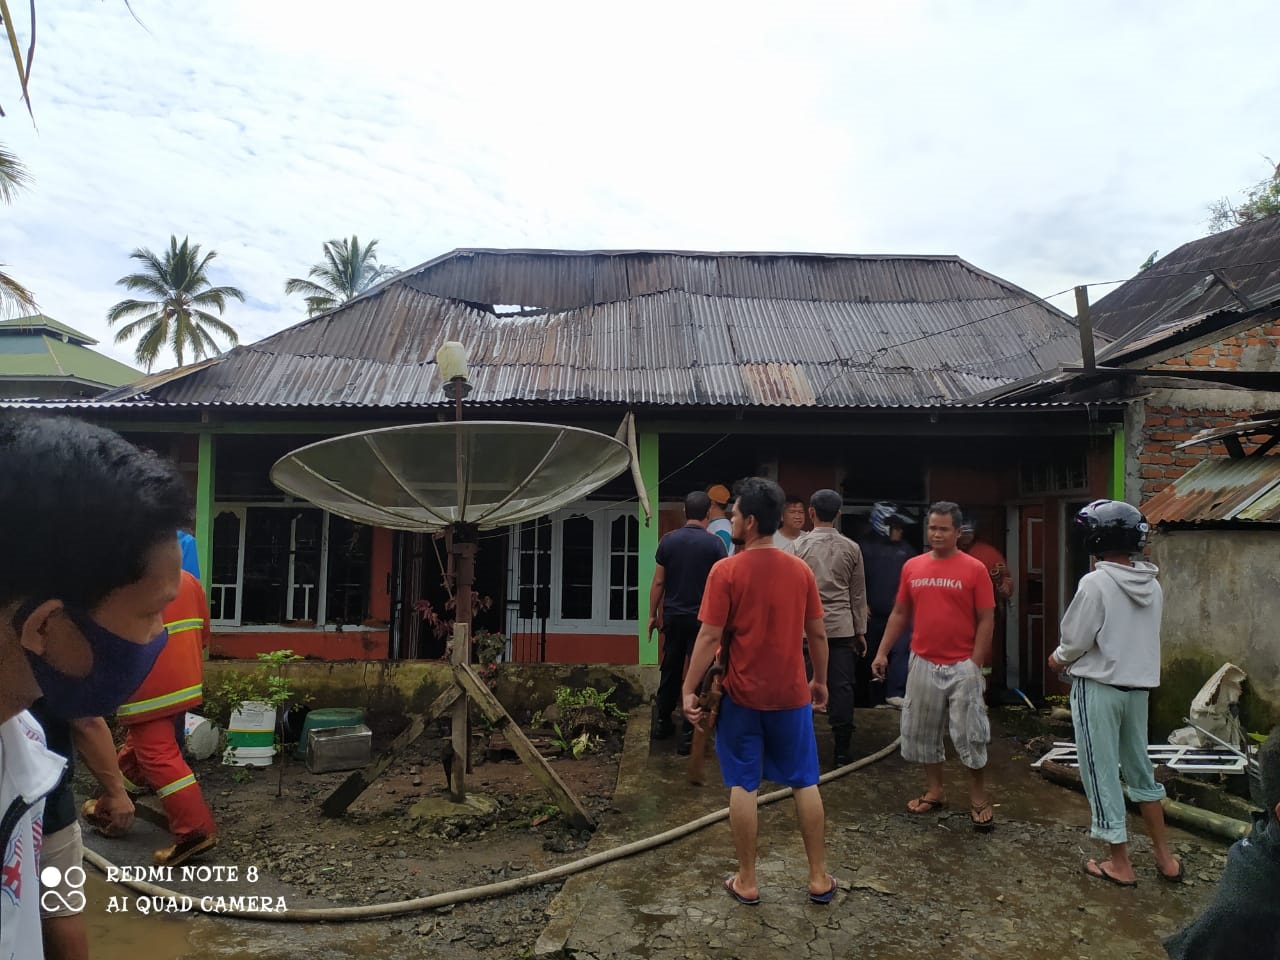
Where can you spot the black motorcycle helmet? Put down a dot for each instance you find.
(1113, 526)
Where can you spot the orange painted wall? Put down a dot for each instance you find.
(380, 574)
(580, 647)
(324, 645)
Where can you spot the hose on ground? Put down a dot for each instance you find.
(487, 890)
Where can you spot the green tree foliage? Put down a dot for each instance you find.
(14, 297)
(348, 270)
(1261, 201)
(176, 314)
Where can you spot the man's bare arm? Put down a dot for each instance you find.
(982, 637)
(92, 738)
(704, 651)
(657, 590)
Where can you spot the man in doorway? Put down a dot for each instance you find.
(81, 627)
(769, 600)
(792, 524)
(884, 551)
(1110, 649)
(685, 557)
(947, 597)
(718, 515)
(992, 559)
(836, 562)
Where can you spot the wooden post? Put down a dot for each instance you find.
(335, 805)
(460, 657)
(569, 804)
(1086, 329)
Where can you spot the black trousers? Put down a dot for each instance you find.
(678, 635)
(840, 681)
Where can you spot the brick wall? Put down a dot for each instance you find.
(1179, 415)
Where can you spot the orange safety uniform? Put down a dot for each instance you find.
(151, 756)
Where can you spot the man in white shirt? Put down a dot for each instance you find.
(80, 626)
(718, 515)
(792, 525)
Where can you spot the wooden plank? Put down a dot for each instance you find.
(460, 734)
(569, 805)
(335, 805)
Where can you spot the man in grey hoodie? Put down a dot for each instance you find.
(1110, 648)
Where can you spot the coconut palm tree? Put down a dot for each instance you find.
(176, 315)
(14, 297)
(348, 270)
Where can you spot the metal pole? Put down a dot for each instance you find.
(464, 552)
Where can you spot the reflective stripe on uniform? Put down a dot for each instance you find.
(193, 692)
(181, 626)
(180, 784)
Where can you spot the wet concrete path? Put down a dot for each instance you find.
(910, 886)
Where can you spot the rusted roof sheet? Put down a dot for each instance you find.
(1174, 288)
(1214, 491)
(828, 332)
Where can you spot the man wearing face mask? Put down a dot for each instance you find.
(152, 752)
(80, 623)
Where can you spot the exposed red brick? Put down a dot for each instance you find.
(1202, 352)
(1199, 361)
(1152, 473)
(1228, 363)
(1162, 435)
(1186, 461)
(1177, 421)
(1162, 458)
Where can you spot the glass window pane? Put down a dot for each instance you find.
(350, 566)
(577, 564)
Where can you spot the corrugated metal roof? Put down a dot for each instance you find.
(668, 348)
(1244, 489)
(1167, 292)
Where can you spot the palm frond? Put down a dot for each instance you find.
(13, 176)
(217, 323)
(14, 297)
(23, 75)
(134, 327)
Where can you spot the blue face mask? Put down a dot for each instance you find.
(119, 667)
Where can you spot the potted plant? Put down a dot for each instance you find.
(253, 731)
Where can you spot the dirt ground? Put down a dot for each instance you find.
(910, 886)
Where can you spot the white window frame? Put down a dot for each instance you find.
(320, 589)
(602, 516)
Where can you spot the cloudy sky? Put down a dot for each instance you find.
(1051, 144)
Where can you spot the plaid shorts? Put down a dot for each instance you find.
(941, 698)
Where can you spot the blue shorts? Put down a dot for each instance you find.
(779, 743)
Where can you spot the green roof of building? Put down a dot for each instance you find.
(39, 323)
(41, 348)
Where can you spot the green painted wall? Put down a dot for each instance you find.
(647, 442)
(204, 509)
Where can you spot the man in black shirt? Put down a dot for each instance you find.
(685, 557)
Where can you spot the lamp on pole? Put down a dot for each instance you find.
(451, 358)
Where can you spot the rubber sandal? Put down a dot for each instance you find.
(733, 892)
(930, 805)
(1173, 877)
(1101, 874)
(982, 826)
(826, 896)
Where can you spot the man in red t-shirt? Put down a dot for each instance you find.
(769, 600)
(948, 598)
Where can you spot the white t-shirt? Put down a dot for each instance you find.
(783, 542)
(723, 528)
(28, 771)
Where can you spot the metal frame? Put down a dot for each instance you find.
(1175, 757)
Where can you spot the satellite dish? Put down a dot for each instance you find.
(407, 478)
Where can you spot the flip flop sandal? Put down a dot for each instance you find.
(982, 826)
(826, 896)
(930, 805)
(733, 892)
(1101, 874)
(1173, 877)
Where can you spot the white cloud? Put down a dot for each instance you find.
(1049, 145)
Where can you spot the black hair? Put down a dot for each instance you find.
(947, 508)
(826, 504)
(696, 505)
(762, 499)
(791, 499)
(1269, 763)
(82, 510)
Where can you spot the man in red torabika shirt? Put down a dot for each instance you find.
(948, 597)
(769, 600)
(151, 756)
